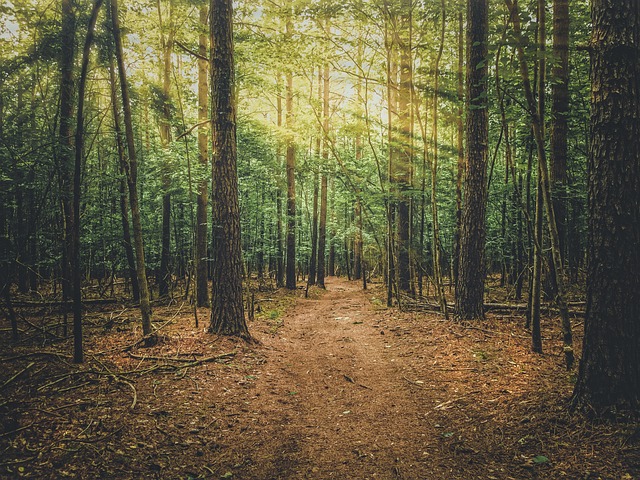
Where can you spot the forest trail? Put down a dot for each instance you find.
(343, 408)
(337, 387)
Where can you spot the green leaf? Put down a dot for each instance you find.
(540, 459)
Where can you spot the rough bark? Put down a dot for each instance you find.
(471, 273)
(609, 376)
(227, 307)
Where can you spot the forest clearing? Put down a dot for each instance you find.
(337, 386)
(262, 239)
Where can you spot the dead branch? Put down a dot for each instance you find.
(17, 375)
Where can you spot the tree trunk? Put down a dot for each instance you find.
(227, 307)
(279, 240)
(437, 275)
(291, 182)
(202, 286)
(559, 116)
(313, 261)
(132, 175)
(471, 273)
(536, 276)
(609, 376)
(77, 179)
(460, 138)
(124, 199)
(322, 229)
(164, 275)
(403, 165)
(65, 145)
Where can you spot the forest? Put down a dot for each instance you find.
(319, 239)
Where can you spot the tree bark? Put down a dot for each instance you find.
(471, 273)
(227, 307)
(609, 375)
(202, 284)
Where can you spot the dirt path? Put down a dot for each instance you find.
(332, 399)
(338, 387)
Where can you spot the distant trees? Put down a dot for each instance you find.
(352, 143)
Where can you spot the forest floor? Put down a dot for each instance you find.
(336, 386)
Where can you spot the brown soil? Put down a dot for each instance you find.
(337, 387)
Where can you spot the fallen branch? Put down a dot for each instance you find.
(17, 375)
(187, 362)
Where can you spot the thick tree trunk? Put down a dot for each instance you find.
(609, 376)
(202, 286)
(471, 273)
(132, 176)
(227, 307)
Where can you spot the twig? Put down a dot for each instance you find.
(187, 362)
(6, 434)
(17, 375)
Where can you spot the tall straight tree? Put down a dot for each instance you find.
(471, 273)
(65, 141)
(559, 115)
(202, 287)
(324, 184)
(227, 308)
(291, 181)
(609, 375)
(164, 275)
(77, 181)
(132, 178)
(404, 165)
